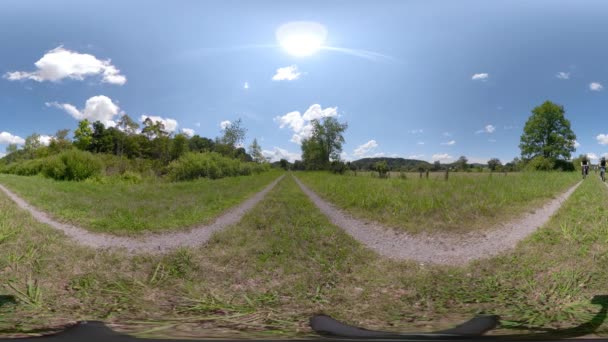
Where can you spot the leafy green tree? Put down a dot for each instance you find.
(11, 148)
(83, 135)
(255, 150)
(284, 164)
(201, 144)
(179, 146)
(436, 165)
(233, 134)
(461, 163)
(382, 168)
(325, 143)
(101, 139)
(547, 133)
(128, 127)
(494, 163)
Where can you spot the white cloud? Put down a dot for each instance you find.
(61, 63)
(602, 139)
(487, 129)
(420, 143)
(596, 86)
(415, 156)
(170, 124)
(277, 154)
(8, 138)
(577, 144)
(379, 154)
(97, 108)
(441, 157)
(2, 154)
(188, 132)
(417, 131)
(592, 156)
(480, 77)
(246, 85)
(45, 139)
(288, 73)
(447, 134)
(449, 143)
(300, 124)
(225, 124)
(365, 148)
(563, 75)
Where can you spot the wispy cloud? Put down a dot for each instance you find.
(420, 143)
(563, 75)
(363, 149)
(487, 129)
(417, 131)
(595, 86)
(441, 157)
(449, 143)
(480, 77)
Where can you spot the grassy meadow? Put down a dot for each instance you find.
(284, 261)
(465, 202)
(123, 208)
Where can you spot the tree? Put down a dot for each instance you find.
(60, 141)
(11, 148)
(547, 133)
(324, 144)
(128, 128)
(83, 135)
(255, 150)
(494, 163)
(436, 165)
(179, 146)
(200, 144)
(284, 164)
(233, 134)
(382, 168)
(461, 163)
(101, 139)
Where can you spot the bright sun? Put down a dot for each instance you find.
(301, 38)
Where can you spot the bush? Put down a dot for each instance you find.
(540, 163)
(382, 168)
(338, 166)
(24, 168)
(563, 165)
(71, 165)
(210, 165)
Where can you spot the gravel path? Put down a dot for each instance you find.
(439, 248)
(150, 243)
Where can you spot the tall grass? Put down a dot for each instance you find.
(462, 203)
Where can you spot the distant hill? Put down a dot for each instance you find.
(393, 163)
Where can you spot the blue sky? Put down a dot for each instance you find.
(424, 79)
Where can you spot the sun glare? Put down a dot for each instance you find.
(301, 38)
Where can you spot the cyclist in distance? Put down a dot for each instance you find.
(603, 169)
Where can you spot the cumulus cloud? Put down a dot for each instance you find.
(487, 129)
(288, 73)
(596, 86)
(8, 138)
(277, 154)
(592, 156)
(225, 124)
(602, 139)
(441, 157)
(577, 144)
(449, 143)
(45, 139)
(170, 124)
(365, 148)
(188, 131)
(415, 156)
(563, 75)
(301, 124)
(97, 108)
(61, 63)
(480, 77)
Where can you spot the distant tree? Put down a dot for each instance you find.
(233, 134)
(255, 150)
(437, 165)
(461, 163)
(12, 148)
(101, 139)
(125, 144)
(494, 163)
(179, 146)
(83, 135)
(199, 144)
(284, 164)
(382, 168)
(324, 144)
(154, 129)
(127, 125)
(338, 166)
(547, 133)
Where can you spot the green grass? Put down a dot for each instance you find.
(284, 261)
(462, 203)
(123, 208)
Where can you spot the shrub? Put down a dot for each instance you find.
(210, 165)
(338, 166)
(382, 168)
(540, 163)
(71, 165)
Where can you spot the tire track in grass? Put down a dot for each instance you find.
(445, 249)
(151, 243)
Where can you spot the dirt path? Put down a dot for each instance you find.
(439, 248)
(151, 243)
